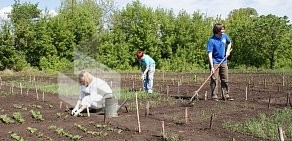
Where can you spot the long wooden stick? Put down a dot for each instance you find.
(196, 93)
(163, 129)
(20, 88)
(87, 109)
(138, 118)
(211, 121)
(147, 108)
(186, 115)
(281, 136)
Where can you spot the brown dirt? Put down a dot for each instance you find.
(180, 86)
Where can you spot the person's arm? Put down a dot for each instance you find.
(76, 107)
(81, 95)
(211, 62)
(228, 49)
(146, 70)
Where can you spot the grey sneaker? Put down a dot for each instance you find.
(214, 98)
(229, 98)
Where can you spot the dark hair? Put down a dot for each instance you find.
(139, 54)
(217, 28)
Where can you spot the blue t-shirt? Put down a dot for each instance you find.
(146, 60)
(217, 47)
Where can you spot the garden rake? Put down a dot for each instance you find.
(197, 91)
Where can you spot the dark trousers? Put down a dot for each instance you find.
(221, 72)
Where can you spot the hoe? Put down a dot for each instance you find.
(197, 91)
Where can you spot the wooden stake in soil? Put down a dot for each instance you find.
(245, 93)
(12, 89)
(61, 103)
(211, 121)
(283, 78)
(147, 108)
(178, 88)
(27, 92)
(20, 88)
(265, 83)
(43, 96)
(167, 90)
(288, 99)
(87, 109)
(281, 136)
(138, 118)
(186, 115)
(163, 131)
(206, 95)
(104, 116)
(36, 90)
(37, 96)
(269, 101)
(0, 83)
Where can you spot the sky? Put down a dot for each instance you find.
(211, 8)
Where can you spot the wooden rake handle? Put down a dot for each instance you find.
(196, 93)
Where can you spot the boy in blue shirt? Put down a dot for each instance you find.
(218, 54)
(148, 69)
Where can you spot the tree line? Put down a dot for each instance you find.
(177, 42)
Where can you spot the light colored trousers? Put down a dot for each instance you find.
(148, 81)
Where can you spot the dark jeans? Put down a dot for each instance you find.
(221, 72)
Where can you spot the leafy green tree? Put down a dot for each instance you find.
(24, 17)
(10, 58)
(269, 32)
(238, 23)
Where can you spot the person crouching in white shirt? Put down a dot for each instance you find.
(93, 92)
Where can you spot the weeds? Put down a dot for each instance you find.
(263, 126)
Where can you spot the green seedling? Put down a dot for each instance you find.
(36, 106)
(59, 115)
(16, 137)
(31, 130)
(62, 132)
(6, 119)
(18, 117)
(80, 127)
(37, 115)
(17, 106)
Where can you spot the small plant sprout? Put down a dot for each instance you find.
(16, 137)
(31, 130)
(6, 119)
(18, 117)
(80, 127)
(37, 115)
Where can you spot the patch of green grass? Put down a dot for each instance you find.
(125, 94)
(264, 126)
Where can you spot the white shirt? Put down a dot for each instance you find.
(96, 90)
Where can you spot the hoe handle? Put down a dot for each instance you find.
(196, 93)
